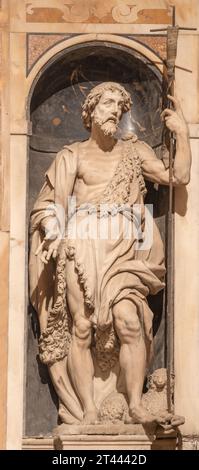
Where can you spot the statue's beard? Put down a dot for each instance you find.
(108, 128)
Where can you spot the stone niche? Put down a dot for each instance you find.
(55, 111)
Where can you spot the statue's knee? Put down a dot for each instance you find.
(127, 323)
(82, 329)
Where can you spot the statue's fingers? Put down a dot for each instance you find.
(166, 112)
(49, 253)
(44, 257)
(169, 123)
(177, 106)
(54, 255)
(167, 118)
(39, 249)
(175, 101)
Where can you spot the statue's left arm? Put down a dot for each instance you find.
(154, 169)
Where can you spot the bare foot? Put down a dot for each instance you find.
(90, 417)
(171, 422)
(177, 420)
(140, 415)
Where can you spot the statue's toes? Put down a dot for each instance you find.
(164, 417)
(177, 420)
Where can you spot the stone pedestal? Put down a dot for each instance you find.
(104, 436)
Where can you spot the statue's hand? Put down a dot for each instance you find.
(47, 249)
(174, 118)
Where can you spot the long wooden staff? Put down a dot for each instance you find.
(172, 38)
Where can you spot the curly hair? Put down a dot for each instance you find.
(94, 96)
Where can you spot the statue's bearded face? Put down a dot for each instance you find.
(108, 112)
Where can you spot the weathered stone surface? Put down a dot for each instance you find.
(39, 43)
(106, 429)
(4, 290)
(95, 11)
(103, 437)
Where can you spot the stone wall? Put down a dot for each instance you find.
(4, 214)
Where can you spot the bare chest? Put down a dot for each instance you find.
(96, 168)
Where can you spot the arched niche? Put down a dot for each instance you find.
(55, 112)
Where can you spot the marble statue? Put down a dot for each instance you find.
(90, 290)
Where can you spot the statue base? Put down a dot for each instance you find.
(104, 436)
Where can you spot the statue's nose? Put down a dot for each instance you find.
(115, 109)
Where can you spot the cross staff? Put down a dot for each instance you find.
(172, 39)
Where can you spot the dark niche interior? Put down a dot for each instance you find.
(55, 113)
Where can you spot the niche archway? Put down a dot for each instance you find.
(55, 109)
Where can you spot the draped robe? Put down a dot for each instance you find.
(109, 270)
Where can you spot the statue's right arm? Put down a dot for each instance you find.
(48, 214)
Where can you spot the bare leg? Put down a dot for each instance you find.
(132, 358)
(80, 363)
(81, 369)
(132, 362)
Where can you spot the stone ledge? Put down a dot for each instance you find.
(104, 436)
(104, 429)
(37, 443)
(86, 442)
(106, 442)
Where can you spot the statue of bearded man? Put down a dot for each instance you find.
(91, 291)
